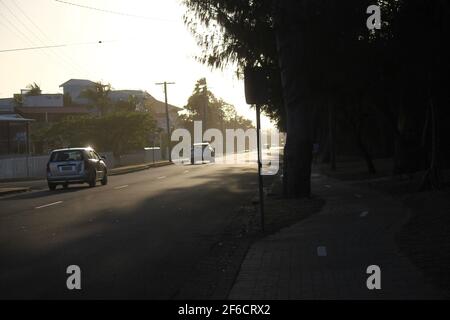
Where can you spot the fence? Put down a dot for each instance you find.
(148, 155)
(23, 167)
(35, 167)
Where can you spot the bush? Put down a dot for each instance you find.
(119, 132)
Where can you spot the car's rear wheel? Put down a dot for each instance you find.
(52, 186)
(92, 179)
(105, 178)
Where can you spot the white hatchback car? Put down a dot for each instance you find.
(202, 152)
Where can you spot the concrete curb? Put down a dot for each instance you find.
(7, 191)
(125, 170)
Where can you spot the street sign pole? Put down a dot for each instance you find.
(260, 177)
(257, 94)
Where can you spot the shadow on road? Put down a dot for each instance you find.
(46, 193)
(146, 250)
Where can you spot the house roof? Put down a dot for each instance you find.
(53, 110)
(13, 118)
(160, 107)
(77, 82)
(156, 105)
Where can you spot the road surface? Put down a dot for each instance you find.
(138, 237)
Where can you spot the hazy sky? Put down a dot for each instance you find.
(136, 53)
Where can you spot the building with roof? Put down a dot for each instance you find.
(43, 100)
(19, 111)
(14, 134)
(74, 89)
(145, 101)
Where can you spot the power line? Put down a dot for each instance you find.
(17, 30)
(64, 57)
(31, 32)
(113, 12)
(48, 47)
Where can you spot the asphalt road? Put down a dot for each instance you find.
(138, 237)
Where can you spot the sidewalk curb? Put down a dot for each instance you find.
(120, 171)
(8, 191)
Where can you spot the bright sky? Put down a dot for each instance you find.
(136, 53)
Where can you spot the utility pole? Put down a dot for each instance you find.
(167, 117)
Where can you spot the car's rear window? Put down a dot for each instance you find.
(203, 146)
(69, 155)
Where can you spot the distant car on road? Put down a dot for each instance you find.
(202, 151)
(76, 166)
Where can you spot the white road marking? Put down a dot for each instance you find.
(187, 171)
(49, 205)
(121, 187)
(163, 177)
(322, 251)
(364, 214)
(358, 196)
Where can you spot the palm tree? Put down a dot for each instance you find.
(33, 89)
(99, 96)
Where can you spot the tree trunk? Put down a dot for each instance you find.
(292, 49)
(298, 150)
(432, 179)
(332, 134)
(299, 143)
(365, 153)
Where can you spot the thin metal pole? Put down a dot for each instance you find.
(260, 178)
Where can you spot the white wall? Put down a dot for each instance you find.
(44, 100)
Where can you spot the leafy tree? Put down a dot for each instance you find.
(67, 99)
(329, 63)
(214, 112)
(119, 132)
(99, 97)
(239, 32)
(33, 89)
(129, 105)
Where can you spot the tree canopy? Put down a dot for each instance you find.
(119, 132)
(320, 56)
(204, 106)
(99, 97)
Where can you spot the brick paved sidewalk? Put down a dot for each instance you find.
(356, 228)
